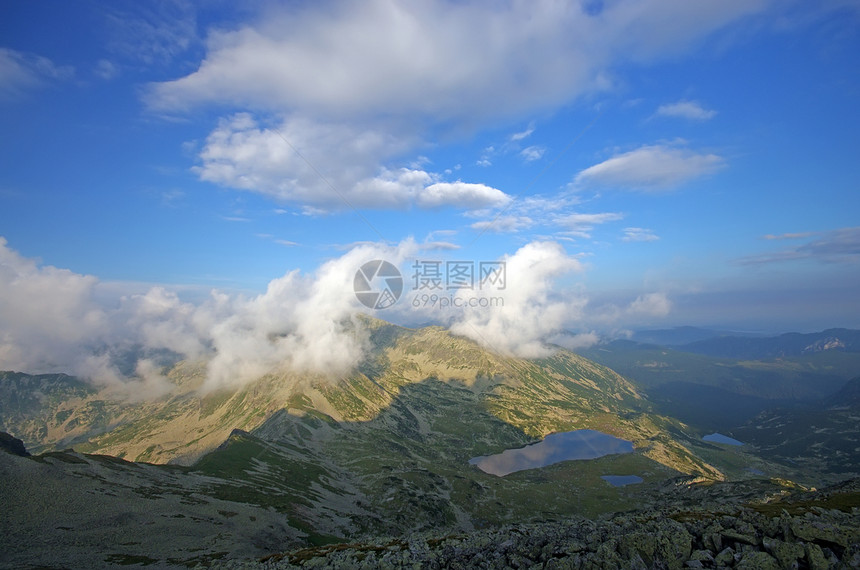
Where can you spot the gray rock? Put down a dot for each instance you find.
(758, 561)
(786, 553)
(726, 557)
(815, 557)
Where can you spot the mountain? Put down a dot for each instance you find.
(823, 438)
(537, 397)
(782, 346)
(682, 335)
(291, 460)
(719, 393)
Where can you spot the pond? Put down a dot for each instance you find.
(622, 480)
(556, 447)
(720, 438)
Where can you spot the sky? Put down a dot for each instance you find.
(208, 177)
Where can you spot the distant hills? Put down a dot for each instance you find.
(782, 346)
(684, 335)
(723, 382)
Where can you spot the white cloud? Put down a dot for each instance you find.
(53, 320)
(504, 224)
(650, 168)
(327, 166)
(532, 153)
(435, 58)
(46, 314)
(21, 72)
(639, 234)
(516, 137)
(531, 311)
(650, 305)
(582, 224)
(363, 86)
(576, 341)
(643, 310)
(686, 110)
(461, 194)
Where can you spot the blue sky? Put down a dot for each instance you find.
(681, 162)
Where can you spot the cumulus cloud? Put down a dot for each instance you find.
(53, 320)
(327, 166)
(530, 311)
(362, 86)
(435, 58)
(21, 72)
(650, 168)
(686, 110)
(462, 194)
(46, 314)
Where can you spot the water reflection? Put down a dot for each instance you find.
(622, 480)
(556, 447)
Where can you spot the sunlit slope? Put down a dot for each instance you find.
(534, 397)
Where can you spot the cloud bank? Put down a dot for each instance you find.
(54, 320)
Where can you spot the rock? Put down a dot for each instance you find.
(714, 541)
(702, 556)
(817, 530)
(725, 557)
(786, 553)
(758, 561)
(815, 557)
(735, 536)
(851, 556)
(12, 445)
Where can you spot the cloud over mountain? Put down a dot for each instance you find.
(54, 320)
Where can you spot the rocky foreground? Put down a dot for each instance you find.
(816, 531)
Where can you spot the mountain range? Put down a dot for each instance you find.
(292, 460)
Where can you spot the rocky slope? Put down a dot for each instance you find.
(803, 530)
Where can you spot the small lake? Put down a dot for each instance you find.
(720, 438)
(622, 480)
(556, 447)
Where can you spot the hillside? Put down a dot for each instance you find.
(537, 397)
(296, 461)
(66, 509)
(721, 393)
(823, 437)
